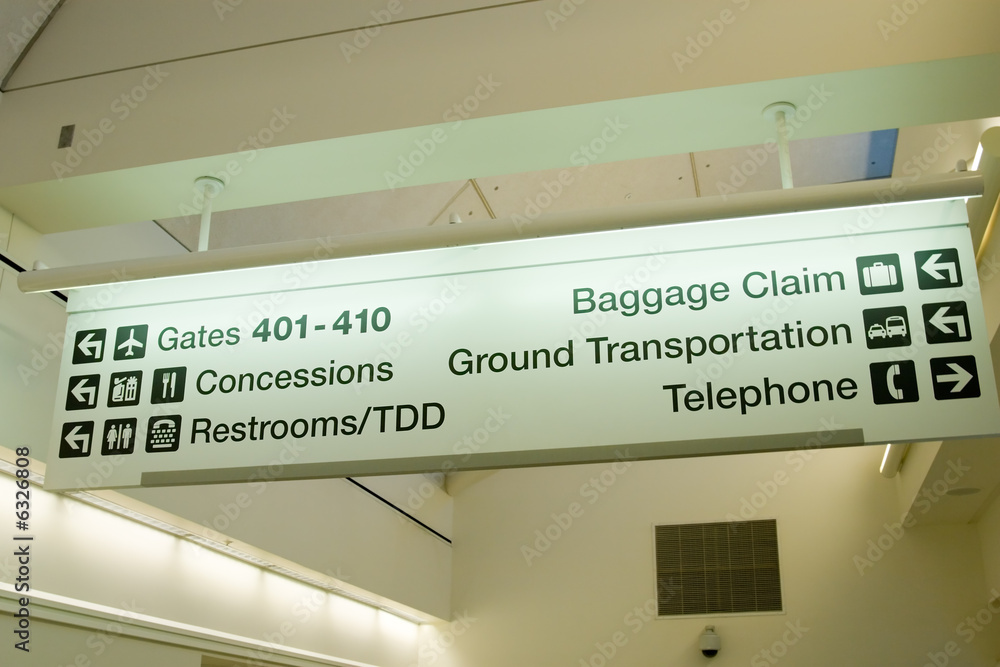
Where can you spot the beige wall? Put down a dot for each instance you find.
(989, 535)
(569, 602)
(55, 645)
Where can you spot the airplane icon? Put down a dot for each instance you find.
(130, 342)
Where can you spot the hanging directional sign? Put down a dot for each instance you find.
(816, 329)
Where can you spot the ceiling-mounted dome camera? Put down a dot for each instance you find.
(710, 642)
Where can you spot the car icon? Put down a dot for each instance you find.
(876, 331)
(895, 326)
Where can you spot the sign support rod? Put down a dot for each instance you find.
(512, 228)
(777, 113)
(210, 188)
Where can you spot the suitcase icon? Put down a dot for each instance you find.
(879, 275)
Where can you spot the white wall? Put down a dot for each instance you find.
(569, 602)
(32, 327)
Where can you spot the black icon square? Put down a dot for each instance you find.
(168, 385)
(886, 327)
(894, 382)
(88, 346)
(163, 433)
(130, 342)
(82, 392)
(119, 436)
(125, 389)
(955, 377)
(938, 269)
(76, 439)
(879, 274)
(946, 322)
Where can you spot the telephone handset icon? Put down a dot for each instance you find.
(163, 424)
(890, 382)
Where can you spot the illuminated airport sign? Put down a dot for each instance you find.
(780, 332)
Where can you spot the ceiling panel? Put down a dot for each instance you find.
(590, 186)
(467, 204)
(21, 19)
(316, 218)
(79, 43)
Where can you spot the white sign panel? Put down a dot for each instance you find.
(806, 330)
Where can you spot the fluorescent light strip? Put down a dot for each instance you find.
(108, 506)
(10, 469)
(977, 159)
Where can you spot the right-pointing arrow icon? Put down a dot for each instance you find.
(958, 375)
(955, 377)
(942, 321)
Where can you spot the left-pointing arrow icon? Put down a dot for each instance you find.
(942, 321)
(77, 440)
(933, 267)
(84, 392)
(89, 346)
(958, 375)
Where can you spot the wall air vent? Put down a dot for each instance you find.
(717, 568)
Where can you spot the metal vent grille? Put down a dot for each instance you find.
(717, 568)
